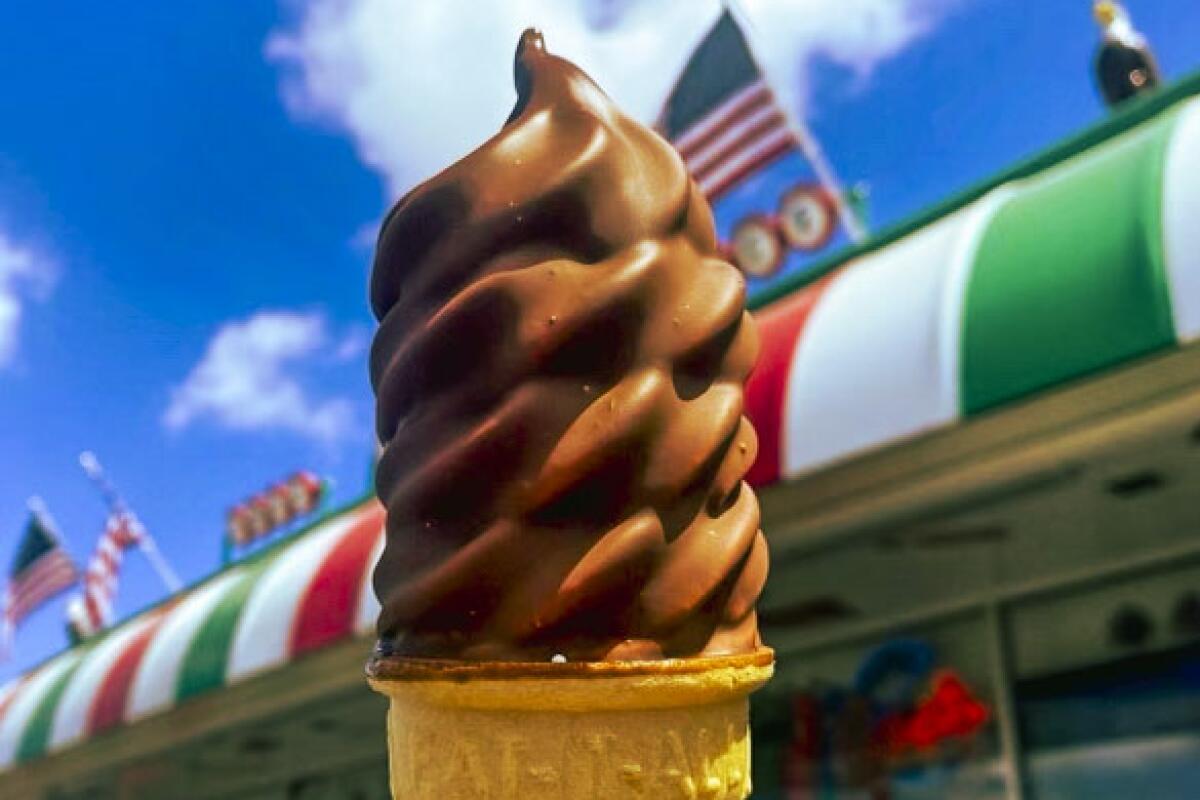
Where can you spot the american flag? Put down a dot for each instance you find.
(40, 570)
(91, 611)
(721, 116)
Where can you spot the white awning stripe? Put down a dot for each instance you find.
(368, 604)
(158, 673)
(12, 727)
(1181, 221)
(71, 715)
(265, 624)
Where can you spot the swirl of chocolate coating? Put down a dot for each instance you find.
(559, 371)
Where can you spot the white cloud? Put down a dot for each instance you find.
(353, 343)
(247, 379)
(23, 276)
(417, 85)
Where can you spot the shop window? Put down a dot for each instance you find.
(905, 717)
(1126, 729)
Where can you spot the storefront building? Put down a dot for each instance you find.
(982, 448)
(979, 470)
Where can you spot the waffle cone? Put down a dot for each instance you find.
(535, 731)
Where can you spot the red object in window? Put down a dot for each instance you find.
(801, 769)
(950, 711)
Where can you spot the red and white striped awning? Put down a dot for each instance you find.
(1067, 273)
(254, 617)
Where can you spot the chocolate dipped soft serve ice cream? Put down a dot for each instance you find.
(572, 558)
(559, 372)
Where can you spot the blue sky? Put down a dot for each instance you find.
(187, 195)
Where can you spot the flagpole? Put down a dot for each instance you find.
(150, 550)
(146, 543)
(808, 143)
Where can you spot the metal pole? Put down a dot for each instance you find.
(91, 466)
(808, 143)
(999, 652)
(146, 543)
(150, 550)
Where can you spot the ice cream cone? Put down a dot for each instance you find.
(676, 728)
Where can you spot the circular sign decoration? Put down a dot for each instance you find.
(807, 217)
(757, 249)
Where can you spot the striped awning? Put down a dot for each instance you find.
(1043, 280)
(310, 592)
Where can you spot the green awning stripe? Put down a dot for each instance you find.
(1069, 276)
(208, 654)
(37, 730)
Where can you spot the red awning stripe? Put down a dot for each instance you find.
(330, 603)
(108, 706)
(779, 329)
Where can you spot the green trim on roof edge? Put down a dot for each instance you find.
(1135, 113)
